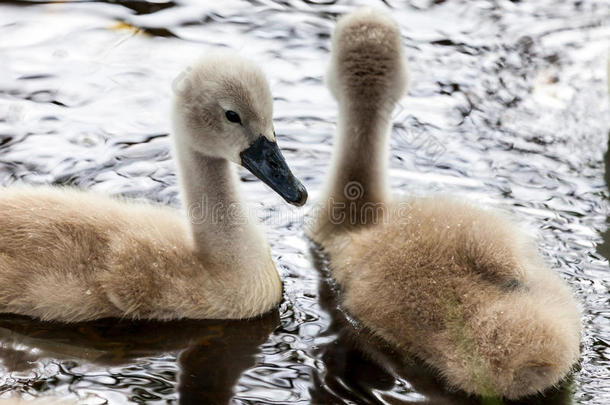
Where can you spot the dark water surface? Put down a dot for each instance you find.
(508, 106)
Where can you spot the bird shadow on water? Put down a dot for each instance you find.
(211, 354)
(364, 369)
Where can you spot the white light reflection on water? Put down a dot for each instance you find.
(515, 92)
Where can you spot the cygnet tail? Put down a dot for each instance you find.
(514, 348)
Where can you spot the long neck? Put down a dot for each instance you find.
(218, 219)
(358, 182)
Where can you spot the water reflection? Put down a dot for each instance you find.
(211, 354)
(137, 6)
(604, 247)
(210, 367)
(512, 90)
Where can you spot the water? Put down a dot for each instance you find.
(508, 106)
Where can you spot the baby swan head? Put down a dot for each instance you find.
(367, 66)
(223, 108)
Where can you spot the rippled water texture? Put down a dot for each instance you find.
(508, 106)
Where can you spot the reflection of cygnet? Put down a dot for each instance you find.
(459, 287)
(72, 256)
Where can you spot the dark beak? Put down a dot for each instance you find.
(264, 159)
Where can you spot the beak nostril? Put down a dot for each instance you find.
(273, 164)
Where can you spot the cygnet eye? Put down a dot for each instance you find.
(233, 116)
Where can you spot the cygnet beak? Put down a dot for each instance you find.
(264, 159)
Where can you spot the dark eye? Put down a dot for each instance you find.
(233, 116)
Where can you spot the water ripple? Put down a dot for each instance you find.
(508, 106)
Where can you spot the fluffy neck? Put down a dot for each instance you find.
(222, 230)
(358, 183)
